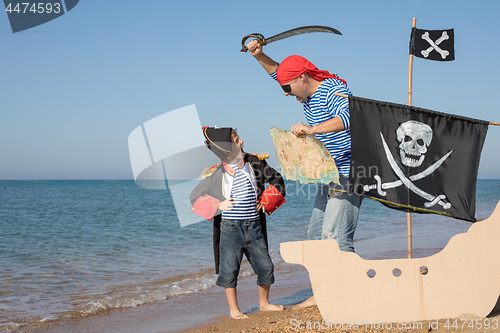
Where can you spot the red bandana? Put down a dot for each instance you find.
(295, 65)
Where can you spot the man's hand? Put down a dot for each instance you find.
(254, 47)
(227, 204)
(329, 126)
(301, 129)
(260, 207)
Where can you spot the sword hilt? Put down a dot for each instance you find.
(259, 37)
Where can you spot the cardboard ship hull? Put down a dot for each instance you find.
(464, 278)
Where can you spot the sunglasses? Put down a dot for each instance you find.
(288, 87)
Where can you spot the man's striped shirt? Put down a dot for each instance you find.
(323, 106)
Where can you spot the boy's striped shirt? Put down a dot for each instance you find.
(244, 198)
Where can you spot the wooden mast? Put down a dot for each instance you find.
(410, 77)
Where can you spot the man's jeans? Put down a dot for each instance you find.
(335, 215)
(238, 237)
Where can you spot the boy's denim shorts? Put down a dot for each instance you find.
(238, 237)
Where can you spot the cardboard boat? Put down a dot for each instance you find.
(464, 278)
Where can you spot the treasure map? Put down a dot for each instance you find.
(304, 159)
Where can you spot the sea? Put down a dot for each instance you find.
(81, 247)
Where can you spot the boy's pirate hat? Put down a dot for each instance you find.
(218, 140)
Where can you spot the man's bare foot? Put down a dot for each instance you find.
(239, 315)
(311, 301)
(272, 307)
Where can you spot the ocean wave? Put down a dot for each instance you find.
(8, 326)
(133, 295)
(182, 287)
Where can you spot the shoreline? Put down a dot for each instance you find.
(188, 312)
(207, 311)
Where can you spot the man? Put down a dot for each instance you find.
(335, 214)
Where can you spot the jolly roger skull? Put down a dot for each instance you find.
(414, 138)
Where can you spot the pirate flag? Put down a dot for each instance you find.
(421, 160)
(433, 44)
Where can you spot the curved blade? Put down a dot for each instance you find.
(302, 30)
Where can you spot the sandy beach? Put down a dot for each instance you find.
(310, 320)
(207, 311)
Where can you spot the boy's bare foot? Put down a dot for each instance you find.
(311, 301)
(239, 315)
(272, 307)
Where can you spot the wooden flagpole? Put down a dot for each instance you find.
(410, 77)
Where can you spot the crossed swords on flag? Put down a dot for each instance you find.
(432, 200)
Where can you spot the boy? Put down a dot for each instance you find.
(232, 194)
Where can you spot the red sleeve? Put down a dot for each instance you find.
(271, 199)
(206, 206)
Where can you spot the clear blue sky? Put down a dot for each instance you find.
(73, 89)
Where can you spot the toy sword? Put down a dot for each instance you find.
(293, 32)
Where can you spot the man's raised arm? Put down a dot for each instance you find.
(256, 50)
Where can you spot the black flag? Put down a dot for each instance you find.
(433, 44)
(415, 157)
